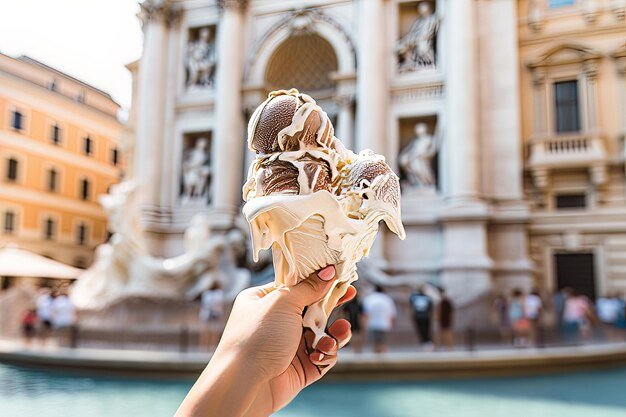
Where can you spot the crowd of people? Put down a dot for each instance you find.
(433, 319)
(521, 317)
(53, 311)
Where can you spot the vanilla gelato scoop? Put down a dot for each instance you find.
(311, 200)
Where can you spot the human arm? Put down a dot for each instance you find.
(265, 357)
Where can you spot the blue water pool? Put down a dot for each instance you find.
(26, 393)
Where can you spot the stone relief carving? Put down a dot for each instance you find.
(196, 172)
(201, 59)
(416, 49)
(416, 160)
(124, 268)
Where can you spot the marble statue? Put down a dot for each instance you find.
(124, 268)
(200, 60)
(416, 49)
(196, 172)
(416, 160)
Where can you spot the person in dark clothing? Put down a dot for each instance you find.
(352, 311)
(422, 306)
(445, 320)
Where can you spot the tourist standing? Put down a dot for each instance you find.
(533, 308)
(29, 323)
(517, 317)
(445, 317)
(352, 311)
(608, 309)
(380, 314)
(44, 314)
(211, 313)
(558, 301)
(501, 310)
(422, 306)
(63, 313)
(577, 316)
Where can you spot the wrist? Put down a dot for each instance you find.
(226, 388)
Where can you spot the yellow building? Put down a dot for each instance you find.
(573, 100)
(59, 150)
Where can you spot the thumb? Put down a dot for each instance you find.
(314, 288)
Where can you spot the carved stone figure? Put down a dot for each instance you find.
(416, 159)
(124, 268)
(201, 59)
(416, 49)
(196, 171)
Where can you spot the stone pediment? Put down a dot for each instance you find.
(564, 54)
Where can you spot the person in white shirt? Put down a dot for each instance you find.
(44, 314)
(63, 311)
(533, 307)
(380, 314)
(608, 309)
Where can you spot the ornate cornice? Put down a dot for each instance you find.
(232, 4)
(160, 11)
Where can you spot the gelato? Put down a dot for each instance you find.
(311, 200)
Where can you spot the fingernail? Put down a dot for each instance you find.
(327, 273)
(317, 357)
(326, 343)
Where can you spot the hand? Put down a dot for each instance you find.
(265, 358)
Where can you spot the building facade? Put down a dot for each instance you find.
(441, 88)
(59, 149)
(573, 80)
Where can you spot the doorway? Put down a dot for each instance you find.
(576, 270)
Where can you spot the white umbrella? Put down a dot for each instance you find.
(15, 262)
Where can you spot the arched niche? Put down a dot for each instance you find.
(305, 61)
(299, 24)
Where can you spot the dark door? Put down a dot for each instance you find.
(576, 270)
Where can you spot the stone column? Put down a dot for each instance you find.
(501, 150)
(228, 135)
(466, 264)
(590, 69)
(539, 88)
(371, 77)
(345, 121)
(462, 105)
(150, 108)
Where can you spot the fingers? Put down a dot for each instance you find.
(324, 361)
(312, 289)
(327, 345)
(326, 351)
(341, 331)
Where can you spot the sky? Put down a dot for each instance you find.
(91, 40)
